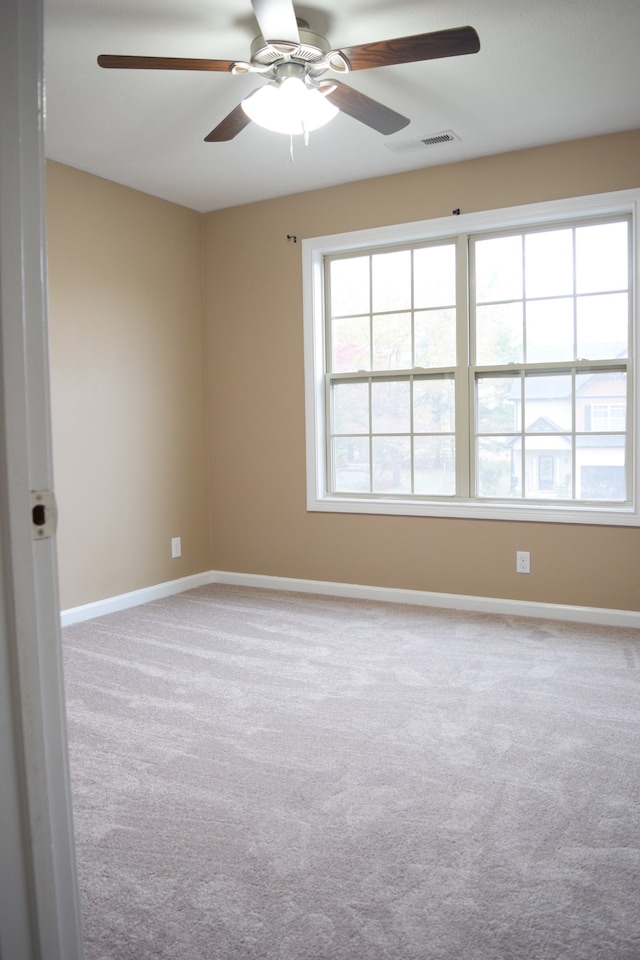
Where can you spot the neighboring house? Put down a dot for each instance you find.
(600, 419)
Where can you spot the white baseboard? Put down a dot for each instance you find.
(125, 600)
(453, 601)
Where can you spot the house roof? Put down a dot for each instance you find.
(546, 387)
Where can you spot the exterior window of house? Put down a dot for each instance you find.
(606, 416)
(479, 370)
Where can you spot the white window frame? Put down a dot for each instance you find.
(313, 252)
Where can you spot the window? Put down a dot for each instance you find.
(395, 311)
(478, 366)
(605, 416)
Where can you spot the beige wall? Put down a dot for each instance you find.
(128, 386)
(128, 322)
(253, 298)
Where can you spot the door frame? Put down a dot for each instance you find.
(39, 902)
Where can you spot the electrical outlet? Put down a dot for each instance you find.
(176, 547)
(523, 561)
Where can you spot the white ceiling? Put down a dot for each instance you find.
(547, 71)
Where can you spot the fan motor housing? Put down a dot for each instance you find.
(312, 48)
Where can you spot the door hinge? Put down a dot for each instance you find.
(44, 514)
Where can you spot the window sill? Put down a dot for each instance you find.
(624, 516)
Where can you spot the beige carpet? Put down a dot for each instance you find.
(272, 776)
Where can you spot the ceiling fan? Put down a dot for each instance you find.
(298, 97)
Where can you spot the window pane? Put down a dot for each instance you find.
(549, 263)
(548, 404)
(435, 338)
(550, 331)
(351, 408)
(434, 468)
(433, 406)
(498, 402)
(390, 406)
(498, 467)
(498, 269)
(391, 465)
(499, 333)
(601, 402)
(602, 254)
(548, 467)
(600, 467)
(539, 426)
(350, 349)
(434, 276)
(392, 342)
(607, 416)
(391, 275)
(349, 286)
(351, 465)
(603, 324)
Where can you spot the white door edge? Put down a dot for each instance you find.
(39, 904)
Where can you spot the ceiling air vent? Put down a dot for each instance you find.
(432, 140)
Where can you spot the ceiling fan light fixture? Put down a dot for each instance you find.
(289, 107)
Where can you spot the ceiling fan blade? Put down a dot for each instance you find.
(233, 124)
(162, 63)
(423, 46)
(277, 20)
(364, 109)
